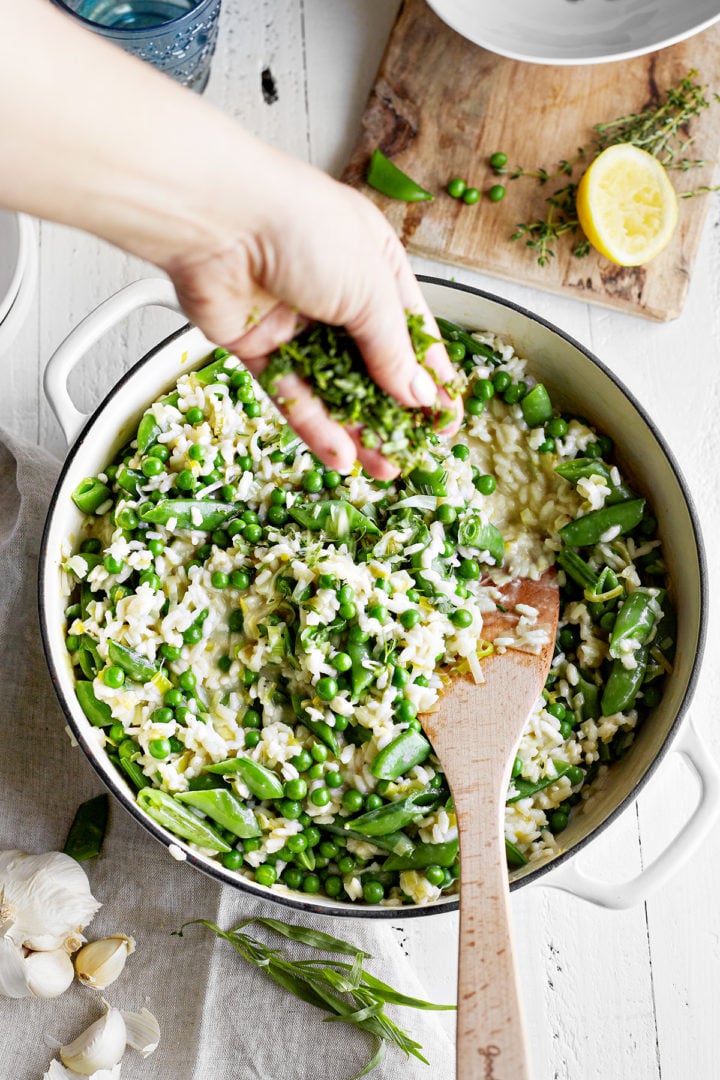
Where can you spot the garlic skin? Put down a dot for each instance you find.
(143, 1031)
(44, 899)
(48, 973)
(13, 970)
(101, 1046)
(100, 962)
(59, 1072)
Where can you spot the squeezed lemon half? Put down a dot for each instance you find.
(626, 205)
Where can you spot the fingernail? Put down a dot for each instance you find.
(423, 388)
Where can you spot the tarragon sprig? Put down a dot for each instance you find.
(659, 129)
(349, 993)
(329, 360)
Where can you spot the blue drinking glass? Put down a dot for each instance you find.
(175, 36)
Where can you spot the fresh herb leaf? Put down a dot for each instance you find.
(329, 360)
(346, 991)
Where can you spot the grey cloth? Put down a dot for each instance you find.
(220, 1019)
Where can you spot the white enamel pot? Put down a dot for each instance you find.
(580, 384)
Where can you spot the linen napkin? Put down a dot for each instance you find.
(219, 1018)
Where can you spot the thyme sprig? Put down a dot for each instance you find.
(660, 129)
(329, 360)
(346, 991)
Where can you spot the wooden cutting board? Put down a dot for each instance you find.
(441, 105)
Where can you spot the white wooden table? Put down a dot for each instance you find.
(608, 996)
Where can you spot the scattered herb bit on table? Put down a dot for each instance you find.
(345, 990)
(329, 360)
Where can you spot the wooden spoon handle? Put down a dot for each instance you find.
(491, 1042)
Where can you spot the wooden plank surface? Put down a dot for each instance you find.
(440, 106)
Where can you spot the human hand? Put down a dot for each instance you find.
(328, 254)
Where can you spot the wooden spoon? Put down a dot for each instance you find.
(474, 733)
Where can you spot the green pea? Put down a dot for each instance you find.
(185, 480)
(333, 779)
(327, 688)
(373, 802)
(373, 891)
(319, 752)
(320, 796)
(377, 611)
(196, 452)
(456, 187)
(266, 875)
(566, 729)
(297, 843)
(474, 406)
(232, 860)
(173, 698)
(162, 716)
(341, 722)
(240, 580)
(496, 193)
(352, 801)
(347, 611)
(252, 533)
(556, 428)
(461, 618)
(469, 570)
(277, 516)
(236, 621)
(346, 864)
(114, 677)
(486, 484)
(126, 518)
(332, 479)
(455, 350)
(293, 877)
(229, 492)
(341, 661)
(183, 715)
(333, 885)
(498, 160)
(435, 875)
(252, 409)
(251, 719)
(408, 620)
(651, 695)
(251, 844)
(557, 710)
(290, 808)
(575, 775)
(405, 711)
(301, 761)
(252, 738)
(220, 580)
(72, 643)
(517, 767)
(296, 790)
(159, 748)
(192, 635)
(446, 514)
(557, 821)
(194, 415)
(400, 677)
(244, 462)
(470, 196)
(546, 447)
(501, 380)
(311, 883)
(116, 733)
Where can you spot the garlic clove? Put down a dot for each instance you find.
(100, 1046)
(49, 973)
(13, 971)
(43, 898)
(59, 1072)
(143, 1031)
(100, 962)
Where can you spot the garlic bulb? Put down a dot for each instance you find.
(100, 1046)
(44, 899)
(48, 973)
(99, 963)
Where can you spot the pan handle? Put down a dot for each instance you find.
(696, 755)
(148, 292)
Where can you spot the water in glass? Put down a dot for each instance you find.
(134, 14)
